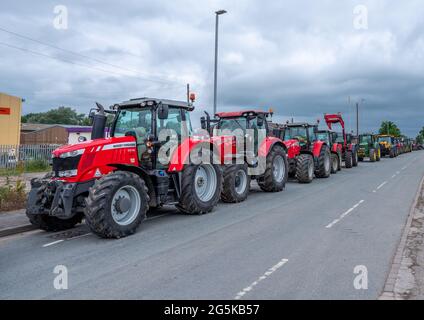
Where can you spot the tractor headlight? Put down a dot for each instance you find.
(72, 153)
(68, 173)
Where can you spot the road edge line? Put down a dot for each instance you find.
(16, 230)
(389, 285)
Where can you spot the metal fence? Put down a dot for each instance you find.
(12, 156)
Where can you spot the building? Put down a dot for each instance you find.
(34, 133)
(10, 119)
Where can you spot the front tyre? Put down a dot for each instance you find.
(276, 171)
(349, 159)
(324, 163)
(116, 204)
(201, 187)
(236, 183)
(305, 168)
(334, 163)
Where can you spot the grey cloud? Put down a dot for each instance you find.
(302, 58)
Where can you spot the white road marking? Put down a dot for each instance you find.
(397, 172)
(270, 271)
(404, 167)
(52, 243)
(343, 215)
(380, 186)
(394, 176)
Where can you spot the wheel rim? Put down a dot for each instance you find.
(205, 182)
(241, 181)
(327, 163)
(126, 204)
(278, 168)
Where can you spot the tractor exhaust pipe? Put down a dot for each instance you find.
(99, 123)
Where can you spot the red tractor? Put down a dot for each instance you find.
(349, 145)
(112, 182)
(255, 154)
(306, 154)
(330, 138)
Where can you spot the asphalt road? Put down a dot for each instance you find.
(302, 243)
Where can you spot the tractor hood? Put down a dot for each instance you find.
(70, 150)
(290, 143)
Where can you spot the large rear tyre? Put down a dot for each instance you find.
(116, 205)
(355, 158)
(201, 187)
(44, 221)
(324, 163)
(334, 163)
(349, 159)
(305, 168)
(236, 183)
(276, 171)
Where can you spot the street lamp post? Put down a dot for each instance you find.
(217, 13)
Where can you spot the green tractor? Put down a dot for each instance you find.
(369, 147)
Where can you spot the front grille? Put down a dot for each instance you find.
(65, 164)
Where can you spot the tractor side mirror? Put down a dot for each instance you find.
(203, 124)
(163, 111)
(261, 119)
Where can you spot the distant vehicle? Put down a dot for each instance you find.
(369, 147)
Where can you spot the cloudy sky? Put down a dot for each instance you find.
(302, 58)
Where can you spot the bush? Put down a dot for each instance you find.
(12, 197)
(36, 166)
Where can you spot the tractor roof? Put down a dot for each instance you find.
(241, 113)
(133, 103)
(300, 124)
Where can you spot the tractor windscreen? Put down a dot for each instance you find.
(232, 124)
(323, 136)
(136, 120)
(385, 139)
(298, 133)
(365, 139)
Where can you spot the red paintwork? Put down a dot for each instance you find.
(238, 113)
(330, 119)
(317, 148)
(95, 157)
(293, 148)
(267, 144)
(336, 148)
(224, 147)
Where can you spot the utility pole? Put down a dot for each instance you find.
(218, 13)
(357, 119)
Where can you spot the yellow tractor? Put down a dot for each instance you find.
(388, 145)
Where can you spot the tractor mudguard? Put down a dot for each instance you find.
(317, 148)
(267, 144)
(181, 155)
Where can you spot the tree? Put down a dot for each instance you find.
(61, 115)
(389, 127)
(420, 137)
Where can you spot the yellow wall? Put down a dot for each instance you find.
(10, 125)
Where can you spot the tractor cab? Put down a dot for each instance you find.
(244, 125)
(152, 123)
(329, 137)
(304, 133)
